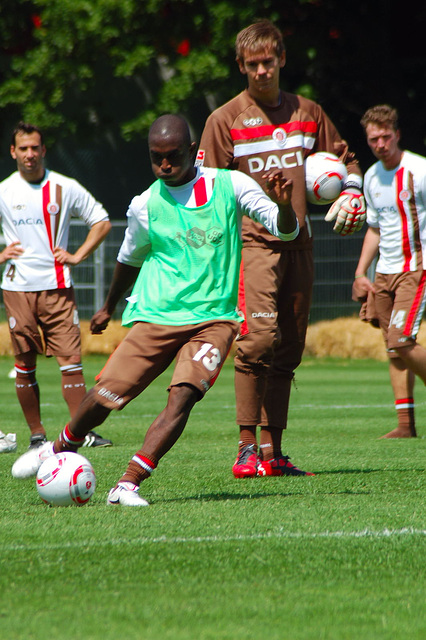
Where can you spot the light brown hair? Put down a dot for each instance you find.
(381, 114)
(257, 37)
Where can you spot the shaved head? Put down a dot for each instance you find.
(171, 151)
(169, 127)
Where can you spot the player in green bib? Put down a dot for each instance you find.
(181, 280)
(181, 251)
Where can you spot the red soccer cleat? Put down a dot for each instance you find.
(280, 467)
(246, 463)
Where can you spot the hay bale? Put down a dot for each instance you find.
(345, 338)
(106, 342)
(342, 338)
(5, 346)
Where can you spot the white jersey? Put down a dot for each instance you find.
(251, 200)
(396, 205)
(38, 216)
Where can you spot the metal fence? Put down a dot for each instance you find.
(335, 260)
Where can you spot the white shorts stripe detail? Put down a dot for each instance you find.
(419, 316)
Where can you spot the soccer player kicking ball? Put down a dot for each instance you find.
(181, 251)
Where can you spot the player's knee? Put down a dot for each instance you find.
(183, 396)
(257, 347)
(404, 351)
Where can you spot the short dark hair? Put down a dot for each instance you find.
(26, 128)
(259, 35)
(381, 114)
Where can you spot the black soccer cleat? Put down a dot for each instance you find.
(95, 440)
(37, 440)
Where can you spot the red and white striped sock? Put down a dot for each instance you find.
(67, 441)
(139, 468)
(405, 412)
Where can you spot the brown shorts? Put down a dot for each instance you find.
(43, 321)
(148, 349)
(275, 298)
(400, 301)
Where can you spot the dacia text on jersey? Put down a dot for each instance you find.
(28, 221)
(285, 161)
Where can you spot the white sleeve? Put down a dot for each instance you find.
(253, 202)
(136, 243)
(85, 206)
(372, 214)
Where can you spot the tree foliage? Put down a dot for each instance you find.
(102, 70)
(79, 65)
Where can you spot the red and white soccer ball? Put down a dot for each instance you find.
(325, 176)
(65, 479)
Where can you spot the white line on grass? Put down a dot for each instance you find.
(347, 406)
(366, 533)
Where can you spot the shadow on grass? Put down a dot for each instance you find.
(221, 497)
(346, 471)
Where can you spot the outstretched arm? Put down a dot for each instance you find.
(123, 278)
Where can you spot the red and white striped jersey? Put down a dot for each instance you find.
(38, 216)
(396, 204)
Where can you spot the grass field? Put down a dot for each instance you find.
(337, 556)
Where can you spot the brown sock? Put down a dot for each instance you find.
(270, 443)
(73, 386)
(406, 421)
(405, 412)
(139, 468)
(28, 393)
(247, 437)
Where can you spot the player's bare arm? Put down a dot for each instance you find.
(123, 278)
(280, 190)
(362, 284)
(11, 252)
(94, 238)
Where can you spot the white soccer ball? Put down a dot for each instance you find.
(325, 176)
(66, 478)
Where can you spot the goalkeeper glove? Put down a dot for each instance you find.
(349, 211)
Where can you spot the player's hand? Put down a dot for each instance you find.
(360, 288)
(62, 256)
(349, 210)
(11, 252)
(65, 257)
(278, 188)
(99, 321)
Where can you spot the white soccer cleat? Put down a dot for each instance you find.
(126, 493)
(30, 462)
(7, 442)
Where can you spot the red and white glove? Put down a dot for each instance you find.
(349, 211)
